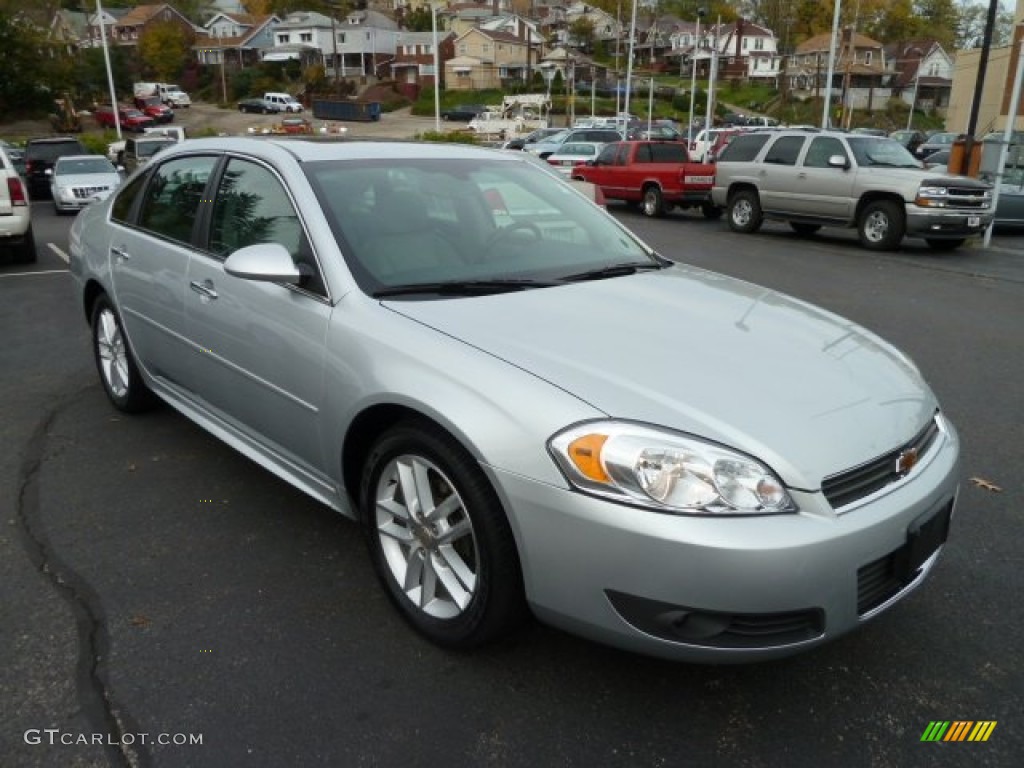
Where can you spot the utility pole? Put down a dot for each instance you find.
(972, 123)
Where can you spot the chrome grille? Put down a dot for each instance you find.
(849, 486)
(968, 197)
(85, 192)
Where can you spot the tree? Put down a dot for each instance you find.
(22, 77)
(163, 49)
(582, 32)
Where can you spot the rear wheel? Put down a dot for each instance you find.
(26, 252)
(946, 245)
(745, 212)
(804, 229)
(653, 203)
(881, 226)
(439, 538)
(115, 361)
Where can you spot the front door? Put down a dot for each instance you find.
(261, 361)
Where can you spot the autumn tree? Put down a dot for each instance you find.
(164, 48)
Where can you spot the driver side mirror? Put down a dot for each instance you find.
(263, 262)
(838, 161)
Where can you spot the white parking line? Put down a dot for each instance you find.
(59, 252)
(41, 272)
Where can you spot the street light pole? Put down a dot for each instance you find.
(110, 72)
(831, 66)
(629, 62)
(437, 73)
(693, 80)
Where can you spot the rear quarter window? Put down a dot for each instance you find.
(743, 149)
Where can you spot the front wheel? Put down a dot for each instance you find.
(881, 226)
(439, 538)
(946, 245)
(115, 361)
(26, 252)
(653, 204)
(745, 212)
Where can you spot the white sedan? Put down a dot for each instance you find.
(77, 180)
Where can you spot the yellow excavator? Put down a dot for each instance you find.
(65, 119)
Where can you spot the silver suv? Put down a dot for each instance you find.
(833, 179)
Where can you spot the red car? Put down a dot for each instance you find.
(131, 118)
(151, 106)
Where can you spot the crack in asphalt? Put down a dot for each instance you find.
(94, 695)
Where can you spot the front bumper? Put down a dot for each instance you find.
(631, 577)
(937, 223)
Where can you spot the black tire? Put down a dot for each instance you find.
(444, 117)
(474, 578)
(711, 211)
(115, 361)
(946, 245)
(241, 109)
(653, 204)
(881, 226)
(25, 253)
(803, 229)
(265, 111)
(745, 212)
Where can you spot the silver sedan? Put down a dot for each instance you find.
(526, 409)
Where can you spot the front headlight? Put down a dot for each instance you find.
(666, 471)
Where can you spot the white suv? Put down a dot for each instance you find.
(15, 220)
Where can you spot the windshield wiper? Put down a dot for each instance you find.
(463, 287)
(613, 270)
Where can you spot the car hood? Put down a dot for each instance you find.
(805, 391)
(110, 180)
(884, 177)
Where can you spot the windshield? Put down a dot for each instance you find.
(412, 221)
(150, 148)
(84, 165)
(881, 152)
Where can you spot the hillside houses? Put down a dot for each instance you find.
(497, 43)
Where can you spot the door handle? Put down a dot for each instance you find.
(204, 289)
(119, 253)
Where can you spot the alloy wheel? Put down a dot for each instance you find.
(426, 536)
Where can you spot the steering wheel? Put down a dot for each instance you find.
(502, 232)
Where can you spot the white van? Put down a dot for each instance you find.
(284, 102)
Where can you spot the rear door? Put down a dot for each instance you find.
(149, 256)
(778, 183)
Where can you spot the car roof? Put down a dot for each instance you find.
(308, 149)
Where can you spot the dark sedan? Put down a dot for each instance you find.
(465, 112)
(935, 143)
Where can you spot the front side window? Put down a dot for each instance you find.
(251, 206)
(785, 150)
(173, 196)
(821, 149)
(123, 204)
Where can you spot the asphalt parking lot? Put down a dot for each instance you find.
(156, 584)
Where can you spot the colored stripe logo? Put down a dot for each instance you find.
(958, 730)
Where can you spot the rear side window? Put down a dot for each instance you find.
(744, 148)
(785, 150)
(668, 153)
